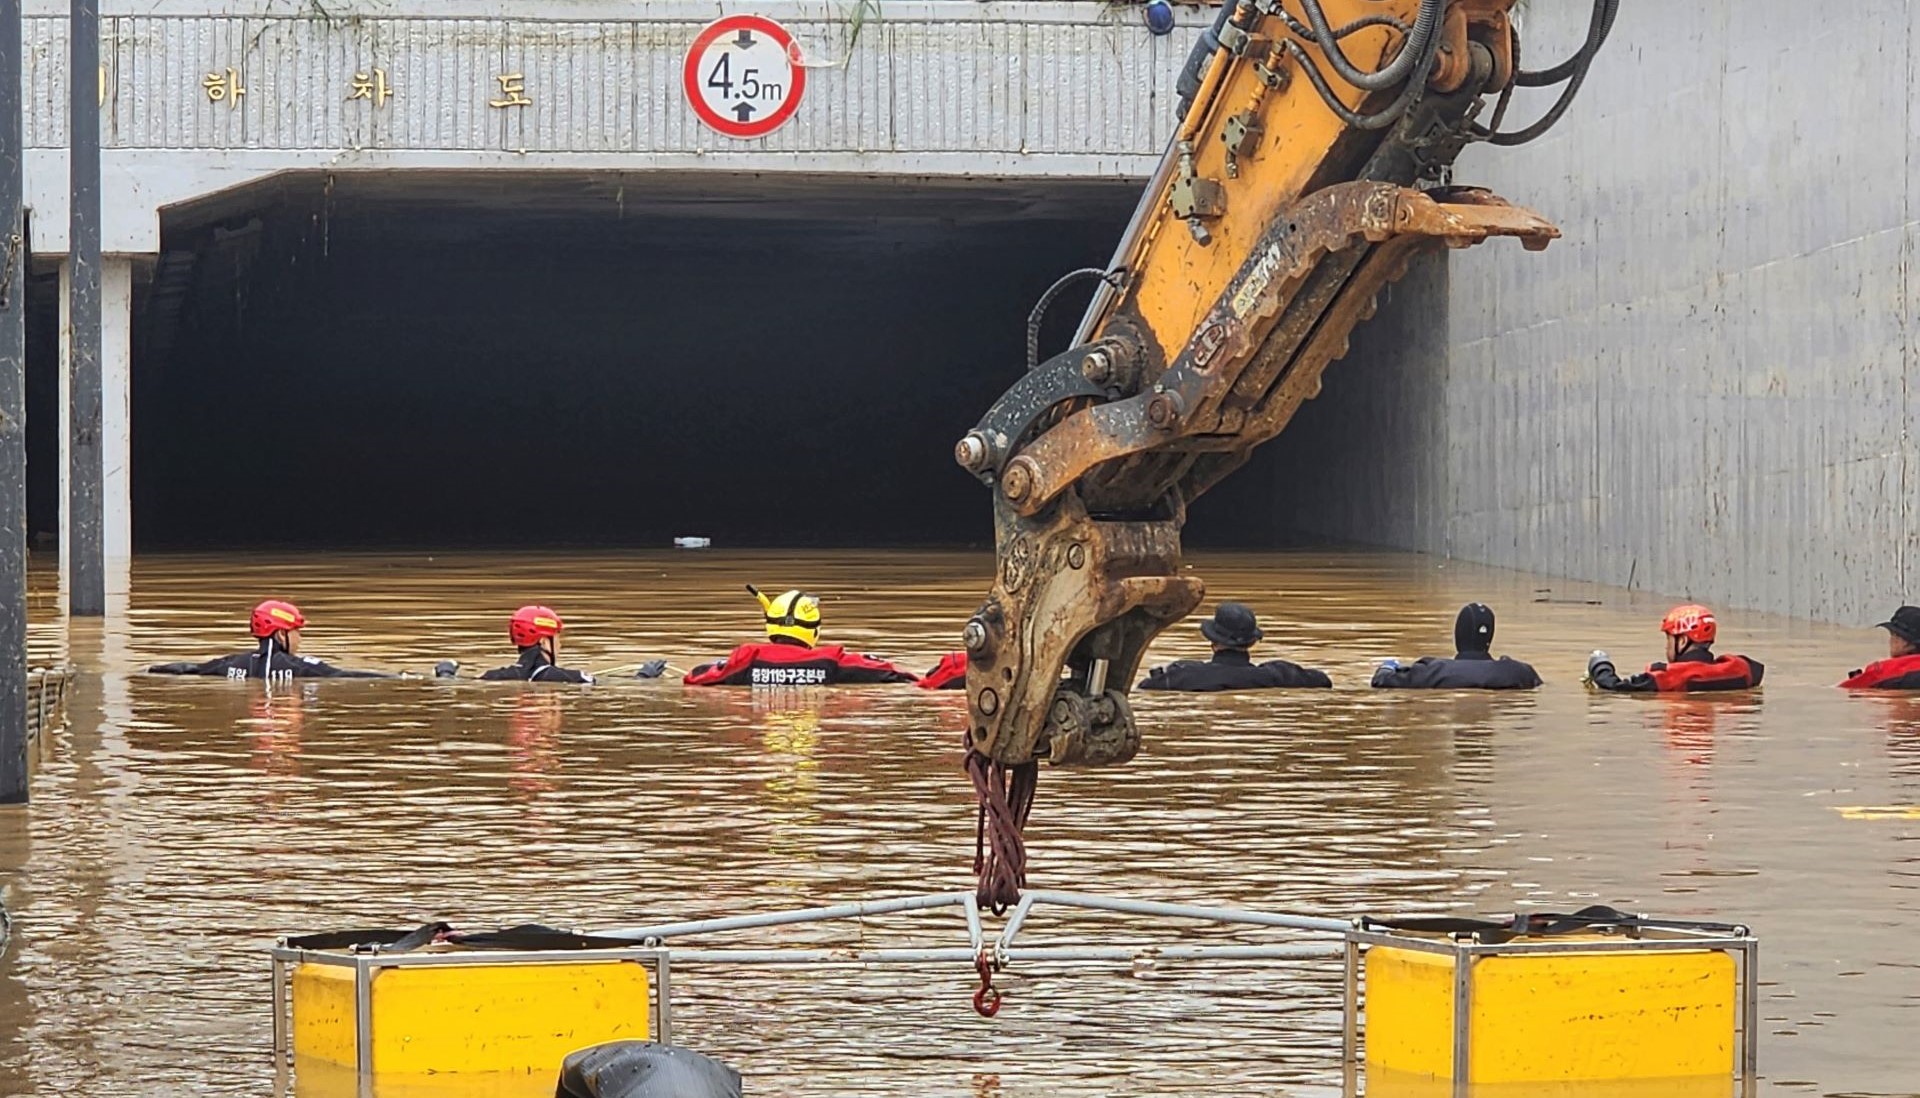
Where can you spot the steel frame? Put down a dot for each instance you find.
(366, 963)
(1329, 938)
(1742, 945)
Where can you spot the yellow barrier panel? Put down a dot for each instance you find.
(1552, 1017)
(320, 1079)
(469, 1018)
(1382, 1083)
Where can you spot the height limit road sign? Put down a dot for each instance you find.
(741, 76)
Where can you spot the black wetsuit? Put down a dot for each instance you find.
(534, 666)
(254, 665)
(1231, 669)
(1469, 670)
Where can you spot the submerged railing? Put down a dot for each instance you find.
(46, 699)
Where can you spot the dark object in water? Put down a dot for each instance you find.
(645, 1069)
(446, 669)
(652, 669)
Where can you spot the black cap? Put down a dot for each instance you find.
(1473, 629)
(1904, 624)
(1233, 626)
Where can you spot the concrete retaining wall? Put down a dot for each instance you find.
(1706, 389)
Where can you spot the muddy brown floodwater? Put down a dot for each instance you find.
(179, 825)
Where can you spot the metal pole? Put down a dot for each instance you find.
(279, 1013)
(13, 416)
(663, 977)
(1350, 1024)
(784, 918)
(363, 1017)
(958, 955)
(1018, 919)
(1189, 911)
(1462, 1021)
(87, 572)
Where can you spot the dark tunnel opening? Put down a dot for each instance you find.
(593, 361)
(43, 404)
(598, 360)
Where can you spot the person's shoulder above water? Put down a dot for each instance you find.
(276, 625)
(235, 666)
(1473, 666)
(1233, 631)
(310, 667)
(1178, 675)
(949, 674)
(534, 631)
(1901, 669)
(787, 663)
(1286, 673)
(792, 654)
(1465, 671)
(1690, 665)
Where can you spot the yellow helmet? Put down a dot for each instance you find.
(794, 615)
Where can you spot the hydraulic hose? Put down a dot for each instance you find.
(1203, 50)
(1188, 85)
(1409, 95)
(1597, 31)
(1366, 21)
(1039, 313)
(1603, 23)
(1411, 54)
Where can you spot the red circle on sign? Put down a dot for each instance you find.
(751, 123)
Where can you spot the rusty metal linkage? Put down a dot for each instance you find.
(1094, 455)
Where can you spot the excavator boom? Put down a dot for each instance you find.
(1304, 176)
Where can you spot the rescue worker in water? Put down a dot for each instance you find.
(1901, 669)
(1690, 665)
(792, 654)
(277, 626)
(1233, 631)
(1472, 666)
(535, 631)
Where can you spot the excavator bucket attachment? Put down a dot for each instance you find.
(1304, 176)
(1078, 596)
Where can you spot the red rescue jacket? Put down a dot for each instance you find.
(1898, 673)
(1695, 669)
(1720, 673)
(774, 664)
(949, 674)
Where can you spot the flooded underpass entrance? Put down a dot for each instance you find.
(179, 825)
(548, 359)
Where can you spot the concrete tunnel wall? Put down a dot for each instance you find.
(466, 359)
(1708, 387)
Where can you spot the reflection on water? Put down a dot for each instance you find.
(179, 825)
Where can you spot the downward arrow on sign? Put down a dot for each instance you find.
(743, 39)
(743, 111)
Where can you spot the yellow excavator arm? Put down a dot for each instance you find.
(1305, 174)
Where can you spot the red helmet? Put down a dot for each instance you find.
(1692, 622)
(274, 616)
(532, 624)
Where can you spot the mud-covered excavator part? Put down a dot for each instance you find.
(1305, 175)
